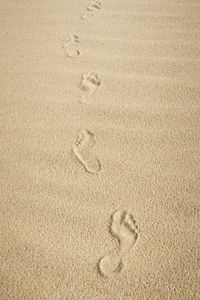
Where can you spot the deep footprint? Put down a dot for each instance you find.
(89, 84)
(123, 228)
(70, 46)
(82, 148)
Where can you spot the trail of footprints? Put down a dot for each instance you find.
(123, 227)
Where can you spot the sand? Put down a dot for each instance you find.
(99, 150)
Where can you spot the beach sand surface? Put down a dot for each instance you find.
(100, 150)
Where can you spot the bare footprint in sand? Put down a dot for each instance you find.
(89, 84)
(123, 228)
(82, 148)
(94, 6)
(70, 46)
(91, 9)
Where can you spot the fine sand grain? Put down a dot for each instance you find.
(100, 150)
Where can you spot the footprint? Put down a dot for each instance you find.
(123, 228)
(91, 8)
(89, 85)
(82, 148)
(94, 6)
(70, 46)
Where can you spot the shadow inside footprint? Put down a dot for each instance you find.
(82, 149)
(94, 6)
(70, 46)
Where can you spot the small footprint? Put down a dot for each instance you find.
(91, 8)
(70, 46)
(89, 84)
(123, 228)
(82, 148)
